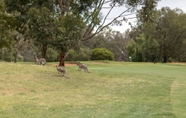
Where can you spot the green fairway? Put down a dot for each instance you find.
(110, 90)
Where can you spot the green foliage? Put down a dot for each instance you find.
(7, 25)
(20, 58)
(163, 39)
(21, 6)
(42, 25)
(102, 54)
(72, 55)
(147, 11)
(28, 53)
(170, 33)
(112, 40)
(84, 54)
(52, 55)
(136, 48)
(69, 32)
(6, 55)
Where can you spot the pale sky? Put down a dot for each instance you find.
(181, 4)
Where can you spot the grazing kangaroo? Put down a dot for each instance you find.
(41, 61)
(61, 71)
(82, 66)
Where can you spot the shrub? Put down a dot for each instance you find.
(102, 54)
(72, 55)
(20, 58)
(84, 54)
(6, 55)
(52, 55)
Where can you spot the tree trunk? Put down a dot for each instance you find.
(164, 59)
(35, 58)
(16, 55)
(62, 59)
(43, 51)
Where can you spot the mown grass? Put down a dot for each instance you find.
(111, 90)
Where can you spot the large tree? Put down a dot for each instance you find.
(42, 27)
(68, 35)
(170, 33)
(164, 36)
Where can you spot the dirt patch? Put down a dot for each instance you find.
(66, 65)
(179, 63)
(70, 64)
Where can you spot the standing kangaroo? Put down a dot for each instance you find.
(61, 71)
(41, 61)
(82, 66)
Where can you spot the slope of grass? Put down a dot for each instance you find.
(111, 90)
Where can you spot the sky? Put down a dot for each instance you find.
(181, 4)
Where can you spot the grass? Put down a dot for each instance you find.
(111, 90)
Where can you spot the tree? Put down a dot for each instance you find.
(83, 54)
(170, 33)
(7, 25)
(42, 27)
(117, 43)
(164, 37)
(102, 54)
(68, 35)
(136, 48)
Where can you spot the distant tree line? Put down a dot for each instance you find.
(162, 40)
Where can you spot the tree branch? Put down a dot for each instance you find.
(102, 26)
(90, 27)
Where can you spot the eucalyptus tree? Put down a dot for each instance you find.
(136, 48)
(7, 25)
(113, 41)
(42, 27)
(170, 33)
(164, 36)
(19, 8)
(68, 34)
(118, 43)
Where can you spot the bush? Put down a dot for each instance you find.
(51, 55)
(72, 55)
(28, 54)
(6, 55)
(102, 54)
(83, 55)
(20, 58)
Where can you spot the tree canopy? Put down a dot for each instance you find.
(7, 25)
(164, 38)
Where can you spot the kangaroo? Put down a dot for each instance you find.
(61, 71)
(82, 66)
(41, 61)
